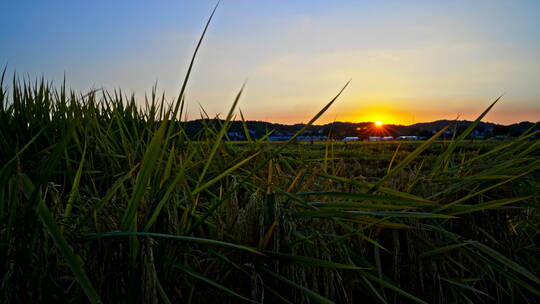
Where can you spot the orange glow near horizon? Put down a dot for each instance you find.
(377, 115)
(372, 110)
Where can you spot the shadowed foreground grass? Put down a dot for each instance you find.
(102, 200)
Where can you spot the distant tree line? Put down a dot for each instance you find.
(338, 130)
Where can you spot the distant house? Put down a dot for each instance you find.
(348, 138)
(408, 137)
(235, 134)
(379, 138)
(311, 138)
(279, 138)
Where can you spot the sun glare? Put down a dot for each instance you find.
(378, 123)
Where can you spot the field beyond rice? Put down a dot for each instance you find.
(104, 200)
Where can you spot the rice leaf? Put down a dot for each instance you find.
(74, 262)
(317, 298)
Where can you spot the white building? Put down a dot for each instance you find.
(379, 138)
(408, 137)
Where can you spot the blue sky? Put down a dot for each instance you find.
(409, 61)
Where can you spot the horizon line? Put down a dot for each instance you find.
(369, 122)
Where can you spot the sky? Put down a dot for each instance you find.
(409, 61)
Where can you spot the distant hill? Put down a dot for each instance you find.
(439, 124)
(339, 130)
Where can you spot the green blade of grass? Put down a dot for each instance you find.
(313, 119)
(112, 191)
(317, 298)
(368, 197)
(356, 205)
(75, 186)
(486, 205)
(179, 100)
(162, 293)
(245, 128)
(499, 148)
(442, 250)
(208, 281)
(506, 261)
(220, 135)
(469, 196)
(366, 185)
(413, 155)
(310, 261)
(162, 202)
(483, 261)
(393, 287)
(143, 177)
(393, 159)
(8, 164)
(223, 174)
(444, 156)
(465, 286)
(197, 240)
(345, 214)
(74, 261)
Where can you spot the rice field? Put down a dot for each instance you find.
(104, 200)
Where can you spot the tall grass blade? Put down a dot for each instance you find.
(143, 177)
(196, 240)
(445, 155)
(317, 298)
(413, 155)
(210, 282)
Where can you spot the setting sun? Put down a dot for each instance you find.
(378, 123)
